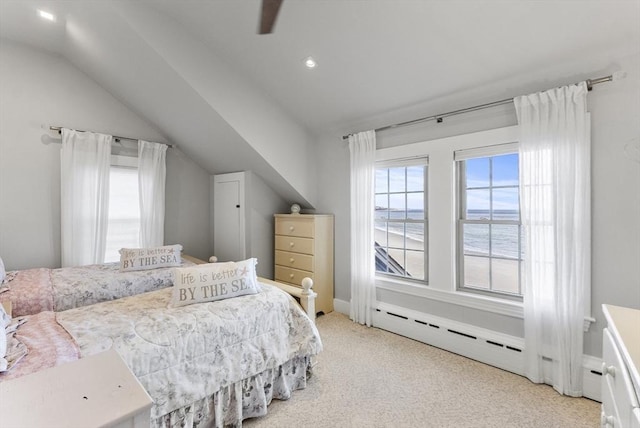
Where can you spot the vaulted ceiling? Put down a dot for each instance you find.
(233, 99)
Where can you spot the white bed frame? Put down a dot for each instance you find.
(303, 294)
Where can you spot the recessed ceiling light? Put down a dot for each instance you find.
(309, 62)
(46, 15)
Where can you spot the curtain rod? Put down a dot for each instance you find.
(438, 117)
(58, 129)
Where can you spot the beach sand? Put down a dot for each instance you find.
(476, 269)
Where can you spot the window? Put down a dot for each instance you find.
(489, 228)
(123, 228)
(401, 219)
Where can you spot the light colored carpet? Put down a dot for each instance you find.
(367, 377)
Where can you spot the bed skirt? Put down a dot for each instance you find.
(245, 399)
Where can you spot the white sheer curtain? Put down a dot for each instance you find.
(555, 206)
(152, 172)
(84, 186)
(363, 292)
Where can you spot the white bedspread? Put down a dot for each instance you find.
(181, 355)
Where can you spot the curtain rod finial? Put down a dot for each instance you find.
(618, 75)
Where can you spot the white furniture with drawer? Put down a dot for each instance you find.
(99, 390)
(304, 248)
(620, 362)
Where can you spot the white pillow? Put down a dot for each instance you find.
(214, 281)
(132, 259)
(3, 273)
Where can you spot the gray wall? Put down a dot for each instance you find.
(37, 90)
(264, 203)
(615, 109)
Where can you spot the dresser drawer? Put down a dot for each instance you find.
(616, 377)
(294, 260)
(294, 243)
(295, 227)
(292, 276)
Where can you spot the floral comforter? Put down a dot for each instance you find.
(37, 290)
(181, 355)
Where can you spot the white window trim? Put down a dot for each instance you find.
(510, 308)
(442, 222)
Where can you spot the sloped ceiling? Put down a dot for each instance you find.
(233, 100)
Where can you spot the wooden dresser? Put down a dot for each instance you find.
(620, 364)
(304, 248)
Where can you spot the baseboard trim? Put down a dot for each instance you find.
(341, 306)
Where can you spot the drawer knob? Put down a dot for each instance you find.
(291, 260)
(291, 244)
(291, 228)
(606, 421)
(608, 370)
(291, 275)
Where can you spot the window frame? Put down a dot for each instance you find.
(460, 156)
(422, 161)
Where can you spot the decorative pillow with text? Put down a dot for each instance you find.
(132, 259)
(214, 281)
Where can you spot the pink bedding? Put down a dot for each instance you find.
(30, 292)
(48, 342)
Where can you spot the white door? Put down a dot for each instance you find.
(228, 217)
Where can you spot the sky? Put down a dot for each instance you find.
(481, 174)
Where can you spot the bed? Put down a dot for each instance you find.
(204, 364)
(42, 289)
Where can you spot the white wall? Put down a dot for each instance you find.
(615, 109)
(37, 88)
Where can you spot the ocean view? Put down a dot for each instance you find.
(479, 239)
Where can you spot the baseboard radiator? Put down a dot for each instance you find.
(487, 346)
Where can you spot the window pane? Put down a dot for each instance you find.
(382, 260)
(415, 264)
(380, 233)
(504, 240)
(505, 170)
(382, 176)
(504, 275)
(396, 235)
(506, 205)
(382, 206)
(397, 260)
(415, 205)
(415, 236)
(124, 212)
(478, 204)
(397, 206)
(415, 178)
(477, 172)
(476, 272)
(397, 180)
(476, 239)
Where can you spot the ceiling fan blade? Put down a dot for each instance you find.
(269, 14)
